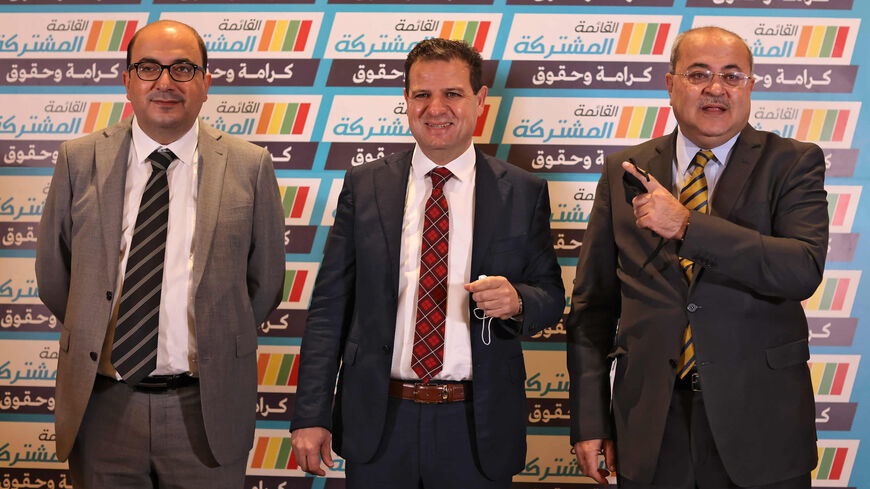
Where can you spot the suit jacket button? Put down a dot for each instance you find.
(94, 356)
(108, 295)
(388, 349)
(692, 307)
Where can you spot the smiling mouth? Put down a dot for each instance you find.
(439, 126)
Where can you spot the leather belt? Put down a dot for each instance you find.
(430, 393)
(691, 382)
(159, 383)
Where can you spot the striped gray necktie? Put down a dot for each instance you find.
(134, 351)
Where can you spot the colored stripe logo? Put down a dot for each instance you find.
(830, 296)
(481, 122)
(823, 125)
(829, 378)
(838, 208)
(273, 452)
(103, 114)
(110, 35)
(472, 32)
(822, 41)
(281, 118)
(294, 282)
(293, 198)
(642, 122)
(642, 38)
(277, 369)
(831, 463)
(285, 35)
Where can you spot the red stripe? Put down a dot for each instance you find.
(265, 117)
(840, 42)
(481, 122)
(267, 36)
(128, 34)
(291, 462)
(839, 461)
(128, 110)
(661, 38)
(298, 284)
(661, 121)
(480, 38)
(299, 202)
(840, 294)
(302, 36)
(260, 453)
(301, 116)
(95, 36)
(840, 125)
(294, 372)
(839, 379)
(840, 210)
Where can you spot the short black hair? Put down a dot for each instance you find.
(447, 50)
(199, 41)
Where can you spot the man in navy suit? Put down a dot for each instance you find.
(429, 394)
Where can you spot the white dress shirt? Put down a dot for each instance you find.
(176, 340)
(459, 191)
(685, 154)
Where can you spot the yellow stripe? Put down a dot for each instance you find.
(271, 452)
(103, 116)
(815, 46)
(277, 118)
(637, 116)
(816, 370)
(816, 124)
(636, 39)
(278, 36)
(458, 29)
(105, 35)
(272, 368)
(816, 299)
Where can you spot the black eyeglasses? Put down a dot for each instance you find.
(180, 72)
(734, 79)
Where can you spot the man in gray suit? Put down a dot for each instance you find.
(692, 270)
(160, 250)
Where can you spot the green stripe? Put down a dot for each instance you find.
(470, 31)
(289, 275)
(284, 370)
(290, 38)
(649, 122)
(649, 40)
(828, 125)
(828, 294)
(832, 205)
(283, 454)
(825, 463)
(828, 42)
(827, 379)
(117, 35)
(289, 198)
(289, 119)
(117, 111)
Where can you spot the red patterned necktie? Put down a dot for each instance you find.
(428, 351)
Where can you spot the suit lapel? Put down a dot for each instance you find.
(744, 156)
(111, 154)
(390, 181)
(211, 168)
(491, 196)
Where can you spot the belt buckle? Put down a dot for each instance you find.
(445, 392)
(696, 382)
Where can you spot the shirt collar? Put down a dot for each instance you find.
(462, 167)
(686, 150)
(183, 147)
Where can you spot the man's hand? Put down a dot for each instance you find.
(587, 458)
(309, 446)
(658, 210)
(496, 296)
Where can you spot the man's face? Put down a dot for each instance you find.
(712, 113)
(442, 108)
(165, 108)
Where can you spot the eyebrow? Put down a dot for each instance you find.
(732, 66)
(177, 60)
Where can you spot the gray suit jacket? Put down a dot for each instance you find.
(238, 272)
(759, 252)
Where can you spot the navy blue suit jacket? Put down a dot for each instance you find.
(351, 321)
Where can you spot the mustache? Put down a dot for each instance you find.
(714, 101)
(164, 97)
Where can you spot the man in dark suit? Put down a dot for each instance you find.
(161, 250)
(694, 288)
(428, 394)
